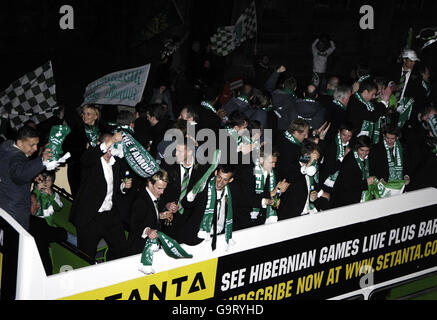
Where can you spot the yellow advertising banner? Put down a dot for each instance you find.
(193, 282)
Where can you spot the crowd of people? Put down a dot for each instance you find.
(309, 152)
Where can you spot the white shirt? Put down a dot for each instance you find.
(320, 61)
(221, 210)
(109, 177)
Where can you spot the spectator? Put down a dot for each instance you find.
(17, 173)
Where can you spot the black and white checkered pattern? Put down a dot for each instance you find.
(32, 97)
(227, 39)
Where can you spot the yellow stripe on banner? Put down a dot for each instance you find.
(193, 282)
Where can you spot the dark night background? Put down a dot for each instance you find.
(108, 36)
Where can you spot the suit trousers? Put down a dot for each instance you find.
(108, 226)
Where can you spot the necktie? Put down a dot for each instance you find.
(214, 221)
(155, 203)
(184, 187)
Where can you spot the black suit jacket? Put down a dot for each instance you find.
(173, 191)
(413, 90)
(349, 184)
(330, 164)
(378, 162)
(93, 188)
(357, 112)
(288, 168)
(143, 215)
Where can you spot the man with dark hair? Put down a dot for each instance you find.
(17, 173)
(283, 98)
(387, 160)
(212, 209)
(309, 109)
(157, 117)
(334, 154)
(364, 113)
(354, 177)
(182, 176)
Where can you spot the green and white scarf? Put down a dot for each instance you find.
(432, 121)
(201, 184)
(93, 134)
(289, 91)
(369, 128)
(138, 158)
(330, 181)
(365, 173)
(369, 105)
(426, 86)
(206, 224)
(244, 139)
(292, 138)
(364, 78)
(404, 109)
(337, 102)
(243, 98)
(394, 162)
(379, 189)
(271, 214)
(48, 205)
(171, 247)
(309, 100)
(207, 106)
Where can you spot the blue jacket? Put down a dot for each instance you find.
(16, 177)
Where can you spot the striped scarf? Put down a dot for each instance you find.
(206, 224)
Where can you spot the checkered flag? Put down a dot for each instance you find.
(227, 39)
(32, 97)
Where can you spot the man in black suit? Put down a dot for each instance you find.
(408, 81)
(183, 174)
(95, 209)
(260, 187)
(222, 182)
(363, 113)
(354, 177)
(290, 147)
(387, 159)
(333, 156)
(146, 218)
(283, 98)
